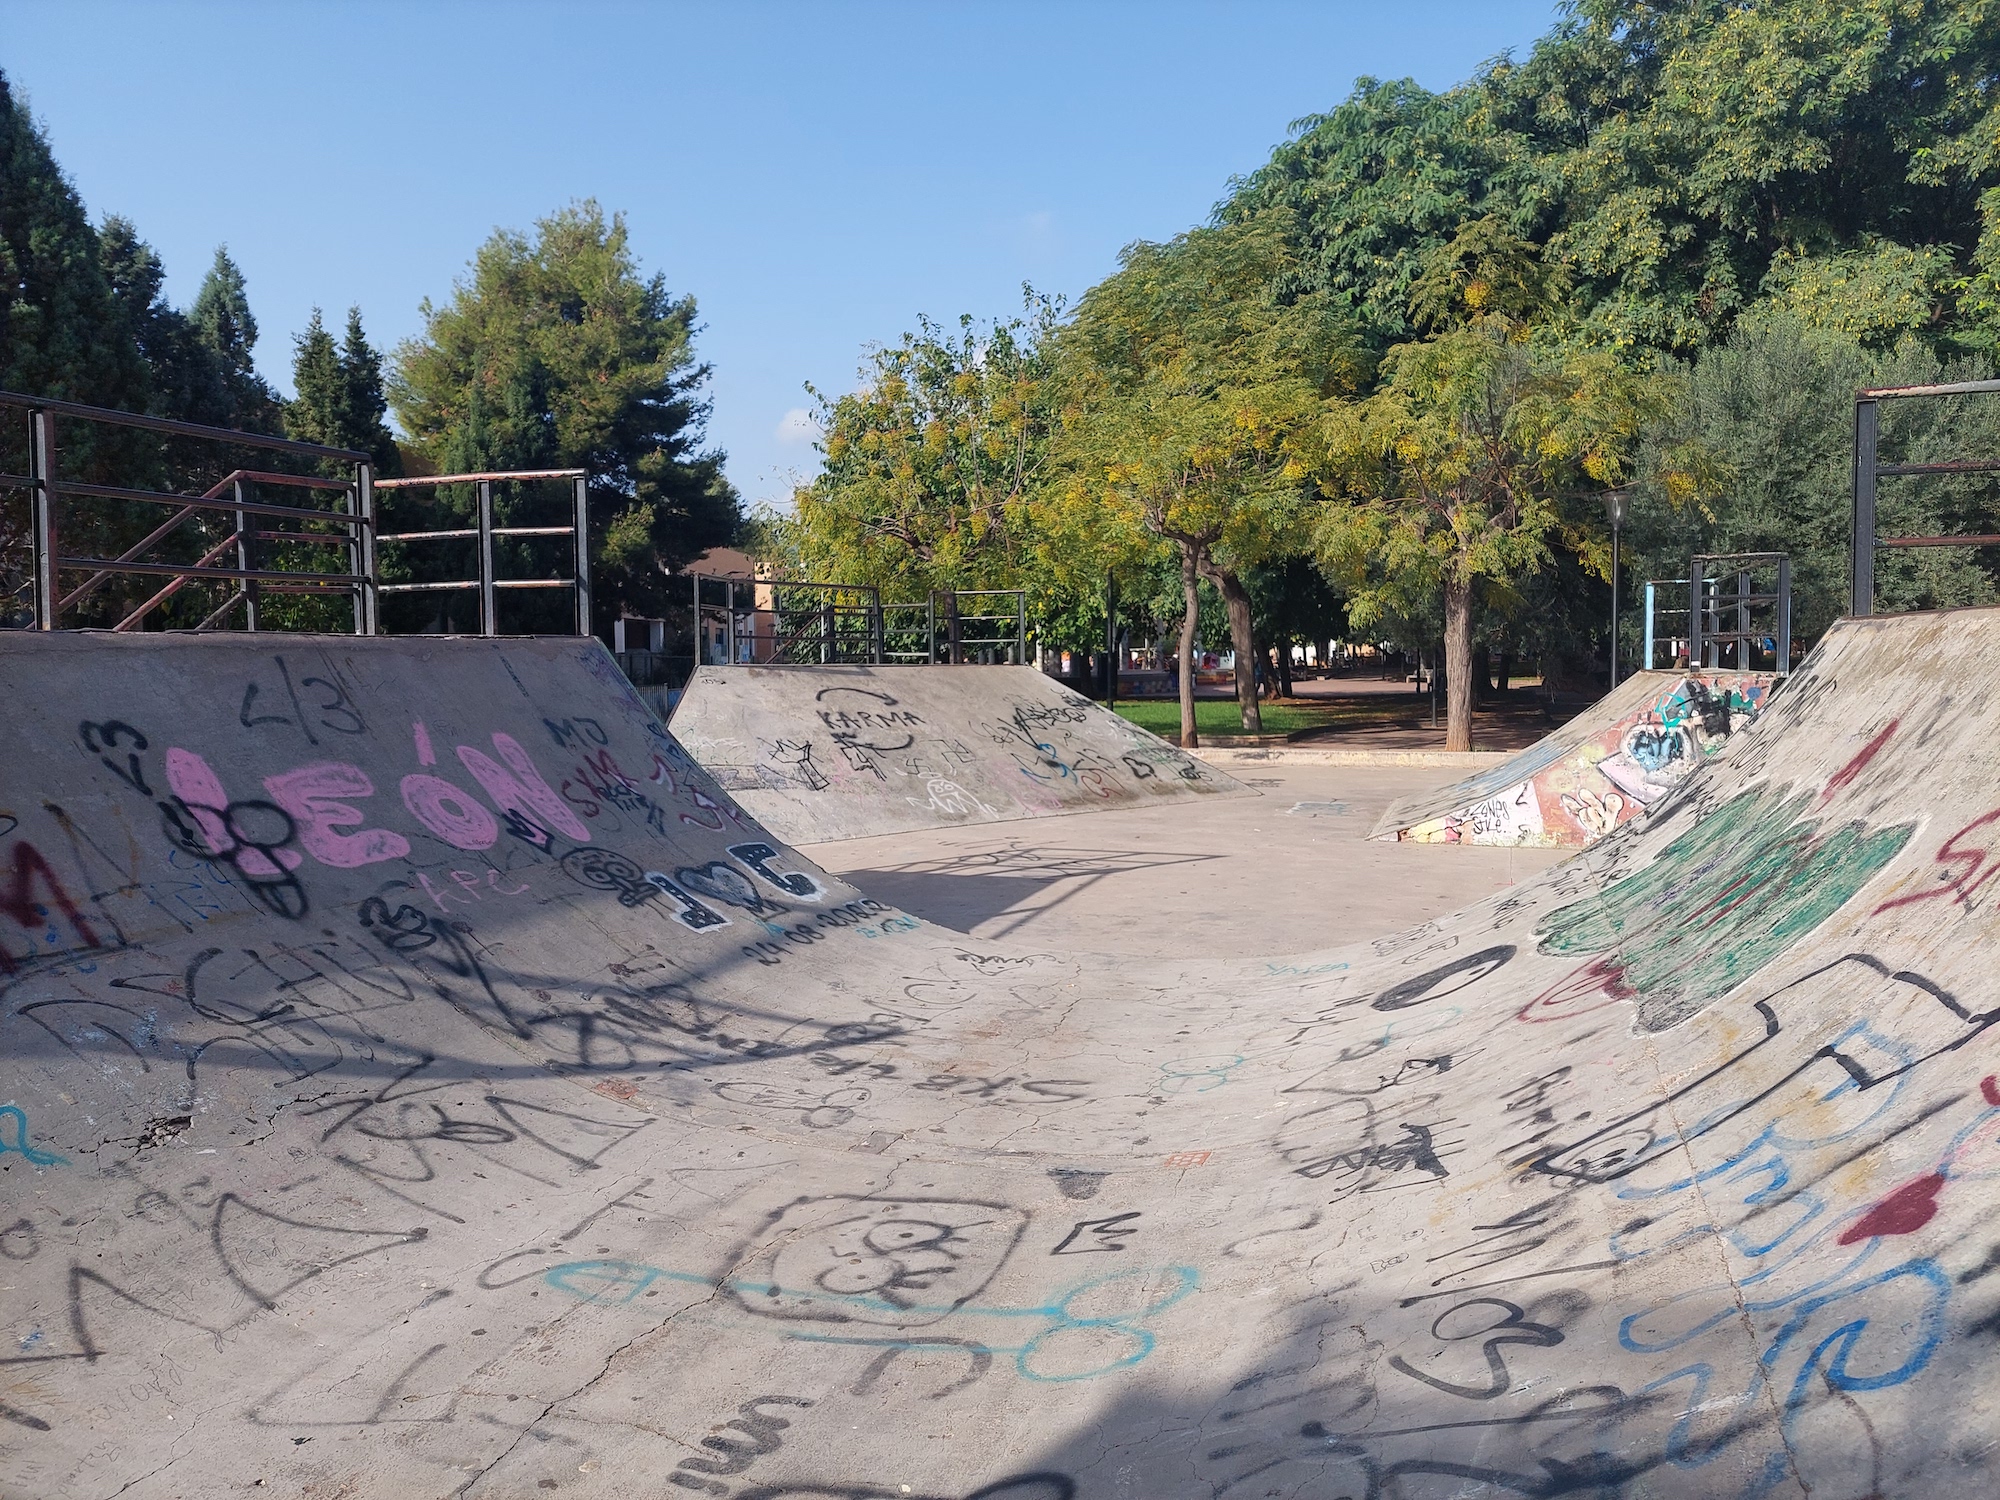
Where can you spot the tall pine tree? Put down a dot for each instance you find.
(224, 323)
(339, 398)
(60, 334)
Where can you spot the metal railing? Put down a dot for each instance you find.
(232, 495)
(484, 532)
(940, 629)
(255, 527)
(1868, 469)
(1720, 623)
(765, 622)
(769, 622)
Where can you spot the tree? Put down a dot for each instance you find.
(556, 352)
(1766, 420)
(225, 326)
(184, 376)
(60, 334)
(339, 400)
(1463, 463)
(1190, 381)
(929, 465)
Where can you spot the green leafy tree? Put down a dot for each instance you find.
(1465, 463)
(1763, 425)
(557, 352)
(1192, 383)
(929, 466)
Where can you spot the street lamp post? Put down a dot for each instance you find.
(1615, 503)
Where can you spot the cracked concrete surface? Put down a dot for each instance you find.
(553, 1128)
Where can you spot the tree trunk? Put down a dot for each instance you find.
(1284, 650)
(1191, 595)
(1506, 670)
(1458, 663)
(1237, 601)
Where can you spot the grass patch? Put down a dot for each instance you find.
(1221, 715)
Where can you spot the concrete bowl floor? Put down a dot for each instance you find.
(1290, 870)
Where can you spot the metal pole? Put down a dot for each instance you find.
(826, 651)
(729, 608)
(1743, 621)
(1784, 614)
(362, 504)
(243, 561)
(1020, 627)
(489, 614)
(1866, 431)
(1110, 640)
(583, 560)
(954, 651)
(930, 630)
(42, 501)
(1650, 602)
(877, 644)
(1614, 606)
(1694, 613)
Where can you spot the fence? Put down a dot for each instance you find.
(254, 529)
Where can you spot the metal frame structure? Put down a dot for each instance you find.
(816, 623)
(358, 534)
(47, 490)
(485, 531)
(1707, 602)
(943, 633)
(778, 622)
(1868, 469)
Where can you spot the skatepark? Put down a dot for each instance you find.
(423, 1078)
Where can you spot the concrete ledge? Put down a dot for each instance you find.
(1312, 755)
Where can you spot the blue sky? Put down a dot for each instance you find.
(817, 175)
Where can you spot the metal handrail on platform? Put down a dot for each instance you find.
(485, 579)
(1868, 469)
(235, 494)
(47, 490)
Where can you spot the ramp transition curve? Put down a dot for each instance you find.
(1609, 764)
(418, 1078)
(843, 752)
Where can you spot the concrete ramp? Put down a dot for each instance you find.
(824, 753)
(418, 1079)
(1609, 764)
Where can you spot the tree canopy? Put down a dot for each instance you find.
(557, 352)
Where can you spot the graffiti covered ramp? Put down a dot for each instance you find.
(417, 1079)
(1606, 766)
(824, 753)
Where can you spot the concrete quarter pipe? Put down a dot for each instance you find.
(1609, 764)
(845, 752)
(421, 1080)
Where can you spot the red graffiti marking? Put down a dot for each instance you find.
(1904, 1211)
(1974, 860)
(1599, 983)
(1989, 1088)
(18, 900)
(1856, 766)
